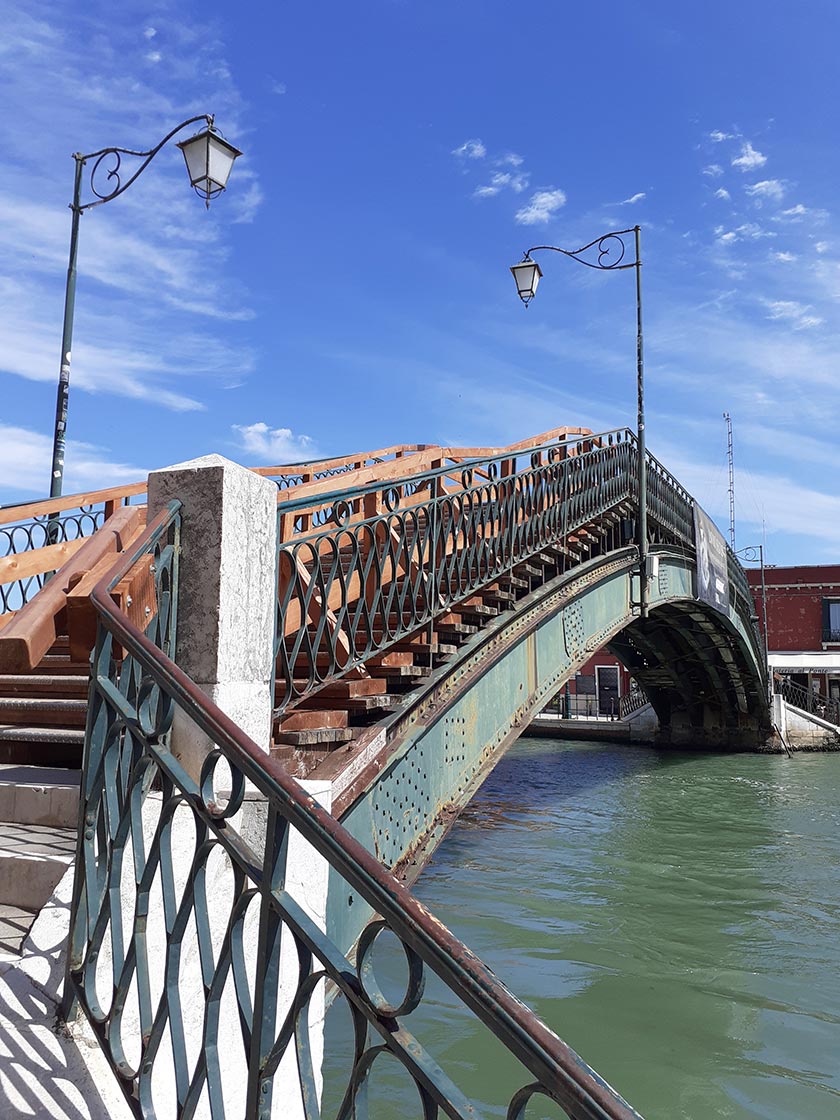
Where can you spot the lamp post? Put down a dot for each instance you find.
(607, 253)
(749, 554)
(209, 158)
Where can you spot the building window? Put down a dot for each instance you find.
(831, 620)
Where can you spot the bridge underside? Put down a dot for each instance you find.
(399, 788)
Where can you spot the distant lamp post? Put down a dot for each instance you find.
(209, 158)
(751, 554)
(607, 254)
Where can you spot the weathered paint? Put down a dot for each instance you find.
(434, 756)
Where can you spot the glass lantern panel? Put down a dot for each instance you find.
(195, 154)
(222, 156)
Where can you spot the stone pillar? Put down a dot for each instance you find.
(226, 598)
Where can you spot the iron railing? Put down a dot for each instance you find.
(633, 700)
(807, 700)
(356, 587)
(385, 561)
(169, 886)
(831, 635)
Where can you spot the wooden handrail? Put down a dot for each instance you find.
(28, 510)
(360, 457)
(34, 628)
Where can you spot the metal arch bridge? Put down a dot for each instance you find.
(429, 602)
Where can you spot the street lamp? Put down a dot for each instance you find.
(209, 158)
(607, 253)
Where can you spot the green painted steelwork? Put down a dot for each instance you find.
(194, 952)
(435, 754)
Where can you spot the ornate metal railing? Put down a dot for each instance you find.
(193, 957)
(50, 528)
(807, 700)
(631, 701)
(350, 590)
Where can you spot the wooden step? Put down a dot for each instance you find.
(314, 737)
(344, 689)
(313, 719)
(23, 711)
(41, 684)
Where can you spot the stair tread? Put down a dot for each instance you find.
(42, 734)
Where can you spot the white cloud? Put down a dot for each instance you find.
(749, 231)
(274, 445)
(749, 158)
(499, 180)
(714, 170)
(154, 56)
(798, 212)
(470, 149)
(822, 246)
(541, 208)
(510, 159)
(149, 32)
(774, 189)
(25, 458)
(717, 136)
(784, 257)
(633, 198)
(278, 88)
(722, 194)
(789, 311)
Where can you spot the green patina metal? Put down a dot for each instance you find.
(437, 753)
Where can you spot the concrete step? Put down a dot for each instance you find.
(33, 858)
(39, 795)
(15, 924)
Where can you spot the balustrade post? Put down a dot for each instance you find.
(227, 595)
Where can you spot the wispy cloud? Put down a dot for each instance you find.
(799, 212)
(749, 159)
(25, 458)
(633, 199)
(470, 149)
(800, 317)
(717, 137)
(501, 179)
(541, 208)
(154, 257)
(723, 194)
(772, 189)
(713, 170)
(273, 445)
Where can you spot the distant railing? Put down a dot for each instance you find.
(632, 701)
(166, 882)
(807, 700)
(831, 635)
(395, 557)
(36, 538)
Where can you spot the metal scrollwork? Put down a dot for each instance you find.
(606, 253)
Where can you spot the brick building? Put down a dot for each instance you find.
(803, 623)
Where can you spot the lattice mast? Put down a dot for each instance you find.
(730, 461)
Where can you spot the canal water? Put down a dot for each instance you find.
(675, 917)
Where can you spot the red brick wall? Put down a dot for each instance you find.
(794, 603)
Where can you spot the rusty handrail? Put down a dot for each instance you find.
(561, 1074)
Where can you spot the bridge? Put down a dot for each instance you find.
(287, 682)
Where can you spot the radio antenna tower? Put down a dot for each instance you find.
(729, 457)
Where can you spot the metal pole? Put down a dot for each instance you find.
(60, 436)
(641, 522)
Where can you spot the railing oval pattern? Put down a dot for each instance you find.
(349, 591)
(152, 921)
(37, 533)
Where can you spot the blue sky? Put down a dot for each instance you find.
(351, 289)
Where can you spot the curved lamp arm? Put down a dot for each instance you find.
(604, 246)
(113, 172)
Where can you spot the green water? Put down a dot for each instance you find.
(674, 917)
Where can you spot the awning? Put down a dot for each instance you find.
(824, 661)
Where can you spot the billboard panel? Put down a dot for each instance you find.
(712, 571)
